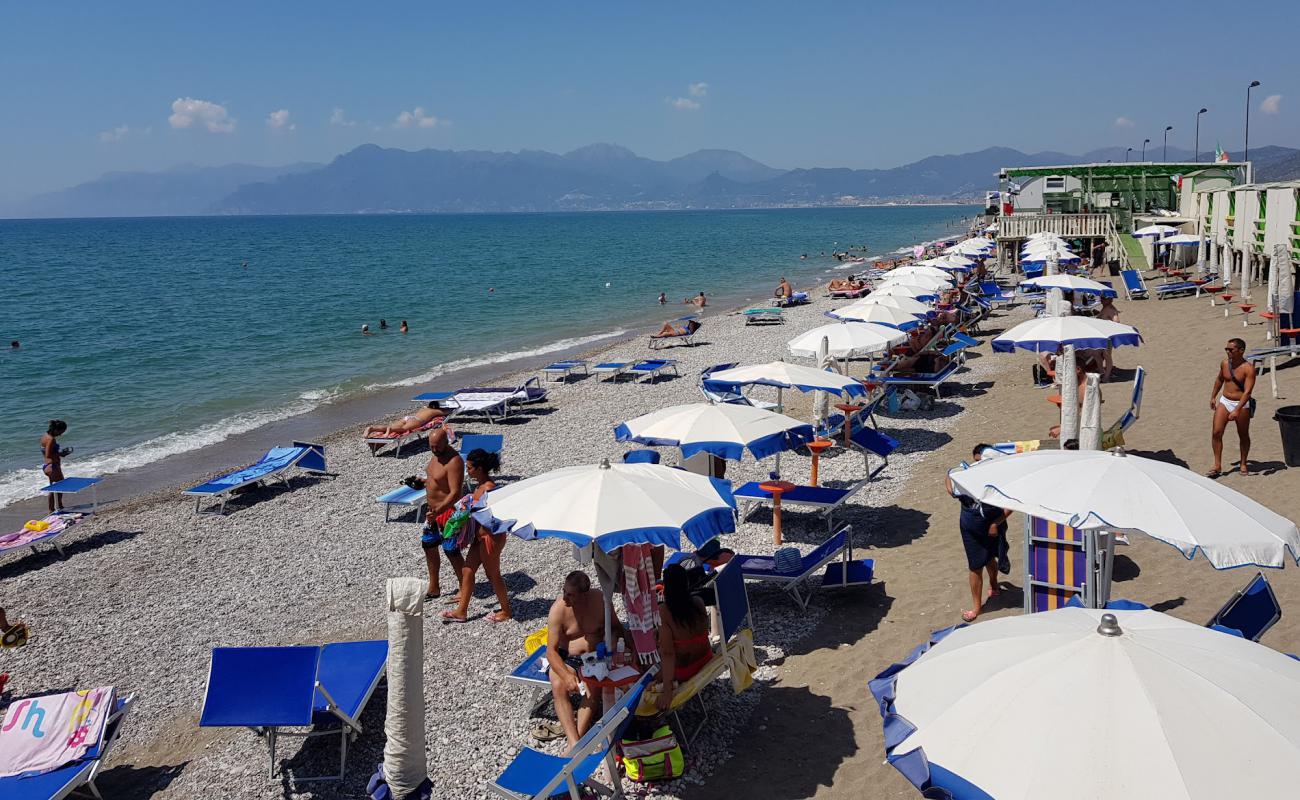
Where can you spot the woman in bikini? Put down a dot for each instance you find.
(683, 635)
(484, 548)
(53, 455)
(408, 423)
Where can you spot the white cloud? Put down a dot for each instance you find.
(417, 118)
(682, 103)
(1272, 104)
(693, 100)
(188, 113)
(698, 89)
(279, 121)
(1123, 122)
(339, 119)
(114, 134)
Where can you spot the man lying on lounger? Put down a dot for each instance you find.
(406, 424)
(575, 626)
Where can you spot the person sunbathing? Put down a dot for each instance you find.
(683, 635)
(677, 327)
(922, 364)
(408, 423)
(846, 285)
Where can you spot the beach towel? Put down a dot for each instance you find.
(640, 602)
(25, 536)
(40, 734)
(741, 663)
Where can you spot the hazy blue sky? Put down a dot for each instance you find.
(92, 87)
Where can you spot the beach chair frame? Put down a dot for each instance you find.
(313, 454)
(1258, 583)
(559, 371)
(799, 586)
(790, 501)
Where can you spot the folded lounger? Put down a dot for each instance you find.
(684, 331)
(1251, 611)
(533, 774)
(845, 571)
(763, 316)
(308, 686)
(405, 496)
(821, 500)
(27, 538)
(651, 369)
(494, 403)
(561, 370)
(70, 779)
(277, 461)
(378, 442)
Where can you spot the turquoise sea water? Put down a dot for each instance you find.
(151, 337)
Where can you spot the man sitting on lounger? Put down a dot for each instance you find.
(575, 625)
(784, 290)
(408, 423)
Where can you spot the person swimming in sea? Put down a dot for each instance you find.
(365, 331)
(14, 345)
(404, 328)
(383, 324)
(663, 300)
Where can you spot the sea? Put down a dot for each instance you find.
(154, 337)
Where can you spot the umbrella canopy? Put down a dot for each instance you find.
(919, 270)
(1154, 230)
(904, 290)
(1181, 239)
(725, 430)
(1117, 491)
(909, 304)
(847, 340)
(1046, 334)
(783, 375)
(977, 250)
(1045, 235)
(948, 263)
(1046, 246)
(917, 281)
(1143, 705)
(610, 505)
(1070, 283)
(876, 313)
(1043, 257)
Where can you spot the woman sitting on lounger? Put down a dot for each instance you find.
(683, 637)
(408, 423)
(677, 327)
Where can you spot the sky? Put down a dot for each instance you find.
(92, 87)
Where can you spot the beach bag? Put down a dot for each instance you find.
(658, 758)
(787, 560)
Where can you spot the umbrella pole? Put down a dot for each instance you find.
(779, 409)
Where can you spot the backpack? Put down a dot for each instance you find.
(658, 758)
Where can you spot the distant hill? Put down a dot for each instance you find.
(377, 180)
(180, 191)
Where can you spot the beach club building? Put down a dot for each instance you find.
(1243, 225)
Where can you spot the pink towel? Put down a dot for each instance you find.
(44, 733)
(641, 602)
(23, 536)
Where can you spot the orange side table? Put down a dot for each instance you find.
(776, 489)
(1246, 308)
(1056, 398)
(817, 446)
(849, 410)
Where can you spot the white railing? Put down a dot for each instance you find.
(1020, 226)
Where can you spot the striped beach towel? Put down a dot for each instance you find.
(640, 601)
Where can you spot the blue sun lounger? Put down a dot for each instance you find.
(405, 496)
(1135, 288)
(835, 554)
(651, 369)
(71, 778)
(308, 686)
(277, 461)
(1176, 288)
(534, 774)
(559, 371)
(1251, 611)
(821, 500)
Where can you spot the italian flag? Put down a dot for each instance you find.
(1220, 156)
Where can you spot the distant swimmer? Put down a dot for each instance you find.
(663, 301)
(365, 331)
(383, 324)
(403, 329)
(245, 265)
(492, 290)
(607, 284)
(14, 344)
(699, 301)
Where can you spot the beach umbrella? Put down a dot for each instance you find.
(1123, 703)
(847, 340)
(919, 270)
(1046, 334)
(784, 375)
(993, 228)
(1181, 239)
(1043, 257)
(1043, 246)
(909, 304)
(1118, 491)
(724, 430)
(925, 282)
(1154, 230)
(902, 290)
(1045, 235)
(1070, 283)
(876, 313)
(822, 400)
(950, 263)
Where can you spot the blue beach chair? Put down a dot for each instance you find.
(561, 370)
(641, 456)
(324, 688)
(1250, 612)
(78, 776)
(844, 572)
(277, 461)
(869, 442)
(651, 369)
(820, 500)
(405, 496)
(534, 774)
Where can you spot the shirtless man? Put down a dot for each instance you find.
(699, 301)
(408, 423)
(1110, 313)
(575, 626)
(1236, 381)
(444, 482)
(784, 290)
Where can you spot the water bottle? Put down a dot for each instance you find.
(620, 653)
(601, 651)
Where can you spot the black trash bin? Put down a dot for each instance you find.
(1288, 420)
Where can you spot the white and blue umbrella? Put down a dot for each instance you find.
(1046, 247)
(1181, 239)
(847, 340)
(909, 304)
(1070, 283)
(725, 430)
(1123, 703)
(1155, 231)
(1047, 334)
(610, 505)
(931, 283)
(903, 290)
(951, 263)
(1040, 257)
(784, 375)
(919, 270)
(878, 314)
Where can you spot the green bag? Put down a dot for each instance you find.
(658, 758)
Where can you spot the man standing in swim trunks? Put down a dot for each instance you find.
(444, 481)
(575, 625)
(982, 529)
(1231, 402)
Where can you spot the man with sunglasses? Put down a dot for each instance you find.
(1231, 402)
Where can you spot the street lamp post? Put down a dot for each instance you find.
(1196, 148)
(1145, 142)
(1164, 150)
(1126, 152)
(1245, 155)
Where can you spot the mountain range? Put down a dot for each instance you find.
(373, 179)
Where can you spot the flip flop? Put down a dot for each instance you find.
(1214, 473)
(449, 618)
(432, 595)
(547, 732)
(496, 617)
